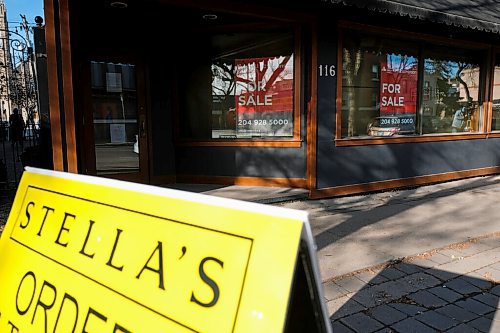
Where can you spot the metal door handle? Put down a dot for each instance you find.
(142, 127)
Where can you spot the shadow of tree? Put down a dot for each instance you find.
(399, 202)
(404, 297)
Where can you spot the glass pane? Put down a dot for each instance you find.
(114, 102)
(379, 87)
(495, 121)
(451, 95)
(245, 85)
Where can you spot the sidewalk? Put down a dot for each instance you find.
(418, 260)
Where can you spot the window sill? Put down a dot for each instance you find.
(241, 143)
(362, 141)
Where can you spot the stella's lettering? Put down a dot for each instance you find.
(71, 299)
(28, 215)
(47, 305)
(110, 261)
(47, 210)
(211, 283)
(13, 328)
(63, 228)
(159, 271)
(31, 275)
(119, 328)
(66, 308)
(94, 313)
(82, 251)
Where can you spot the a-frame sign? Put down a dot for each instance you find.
(89, 254)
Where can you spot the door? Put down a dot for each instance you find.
(116, 122)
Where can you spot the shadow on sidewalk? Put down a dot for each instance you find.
(411, 298)
(399, 203)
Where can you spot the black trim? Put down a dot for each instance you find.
(480, 15)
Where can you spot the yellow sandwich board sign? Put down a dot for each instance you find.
(86, 254)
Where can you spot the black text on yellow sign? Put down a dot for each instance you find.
(85, 263)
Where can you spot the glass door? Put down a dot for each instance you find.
(118, 121)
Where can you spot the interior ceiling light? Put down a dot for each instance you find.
(209, 17)
(118, 4)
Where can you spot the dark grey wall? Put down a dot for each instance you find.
(337, 166)
(242, 161)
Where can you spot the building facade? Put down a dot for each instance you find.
(339, 98)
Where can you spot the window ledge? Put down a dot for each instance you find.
(409, 139)
(242, 143)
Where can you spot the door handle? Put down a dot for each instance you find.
(142, 126)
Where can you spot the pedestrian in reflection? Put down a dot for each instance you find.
(16, 123)
(458, 120)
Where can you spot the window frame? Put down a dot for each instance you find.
(419, 39)
(294, 141)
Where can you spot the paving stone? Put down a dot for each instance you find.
(392, 290)
(462, 328)
(332, 291)
(387, 315)
(488, 299)
(436, 320)
(442, 275)
(495, 290)
(372, 296)
(440, 258)
(392, 273)
(476, 247)
(424, 263)
(371, 277)
(360, 322)
(475, 306)
(445, 293)
(411, 325)
(480, 283)
(463, 266)
(461, 286)
(490, 274)
(491, 242)
(342, 307)
(385, 330)
(352, 284)
(481, 247)
(457, 313)
(426, 299)
(409, 309)
(482, 324)
(408, 268)
(495, 266)
(453, 254)
(340, 328)
(421, 280)
(405, 287)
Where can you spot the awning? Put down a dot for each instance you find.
(482, 15)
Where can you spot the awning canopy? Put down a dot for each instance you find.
(482, 15)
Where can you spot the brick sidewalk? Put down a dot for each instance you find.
(453, 289)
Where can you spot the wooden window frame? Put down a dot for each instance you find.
(294, 141)
(495, 52)
(417, 38)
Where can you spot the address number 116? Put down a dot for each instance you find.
(327, 70)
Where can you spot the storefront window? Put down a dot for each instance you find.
(451, 94)
(379, 87)
(245, 84)
(440, 94)
(495, 118)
